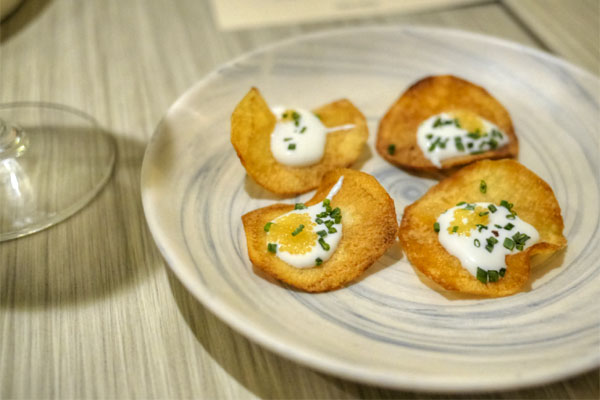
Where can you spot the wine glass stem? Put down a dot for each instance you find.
(13, 141)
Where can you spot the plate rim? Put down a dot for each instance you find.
(305, 355)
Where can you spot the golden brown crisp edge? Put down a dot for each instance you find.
(533, 200)
(369, 228)
(430, 96)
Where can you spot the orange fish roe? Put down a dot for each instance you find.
(469, 121)
(467, 220)
(281, 232)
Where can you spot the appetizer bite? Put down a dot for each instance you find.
(442, 122)
(327, 242)
(475, 231)
(288, 150)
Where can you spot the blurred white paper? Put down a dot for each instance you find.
(240, 14)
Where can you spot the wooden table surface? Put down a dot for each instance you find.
(88, 308)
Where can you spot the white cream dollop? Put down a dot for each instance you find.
(329, 238)
(472, 246)
(442, 136)
(299, 137)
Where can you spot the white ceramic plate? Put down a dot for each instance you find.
(388, 328)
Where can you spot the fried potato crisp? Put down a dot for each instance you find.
(397, 135)
(252, 123)
(533, 201)
(369, 229)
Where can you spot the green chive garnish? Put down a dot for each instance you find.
(435, 143)
(461, 203)
(482, 275)
(470, 207)
(459, 144)
(338, 219)
(509, 243)
(502, 271)
(300, 206)
(493, 276)
(268, 226)
(287, 139)
(324, 245)
(436, 227)
(492, 240)
(303, 129)
(477, 243)
(493, 144)
(298, 230)
(322, 233)
(492, 208)
(322, 214)
(482, 186)
(318, 261)
(391, 149)
(328, 223)
(508, 226)
(481, 214)
(510, 216)
(498, 226)
(272, 247)
(317, 115)
(456, 122)
(319, 221)
(474, 153)
(331, 230)
(506, 204)
(455, 228)
(429, 135)
(489, 247)
(326, 202)
(437, 122)
(292, 146)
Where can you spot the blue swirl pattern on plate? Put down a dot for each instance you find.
(391, 327)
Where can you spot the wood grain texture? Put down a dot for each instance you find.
(568, 28)
(87, 308)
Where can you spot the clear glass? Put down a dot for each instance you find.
(53, 161)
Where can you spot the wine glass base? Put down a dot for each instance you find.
(66, 160)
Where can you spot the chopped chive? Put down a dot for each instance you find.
(331, 230)
(329, 224)
(459, 144)
(318, 261)
(298, 230)
(284, 115)
(437, 122)
(324, 245)
(337, 219)
(295, 115)
(470, 207)
(473, 135)
(435, 143)
(327, 208)
(456, 122)
(482, 275)
(272, 247)
(322, 214)
(470, 145)
(480, 227)
(454, 228)
(319, 221)
(481, 214)
(491, 240)
(336, 211)
(489, 247)
(520, 247)
(510, 216)
(474, 153)
(436, 227)
(326, 202)
(442, 143)
(493, 276)
(268, 226)
(317, 115)
(506, 204)
(493, 144)
(391, 149)
(322, 233)
(299, 206)
(502, 272)
(292, 146)
(303, 129)
(498, 226)
(492, 208)
(287, 139)
(508, 226)
(482, 186)
(429, 135)
(461, 203)
(509, 243)
(477, 243)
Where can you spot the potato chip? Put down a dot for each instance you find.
(532, 198)
(397, 135)
(369, 229)
(252, 123)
